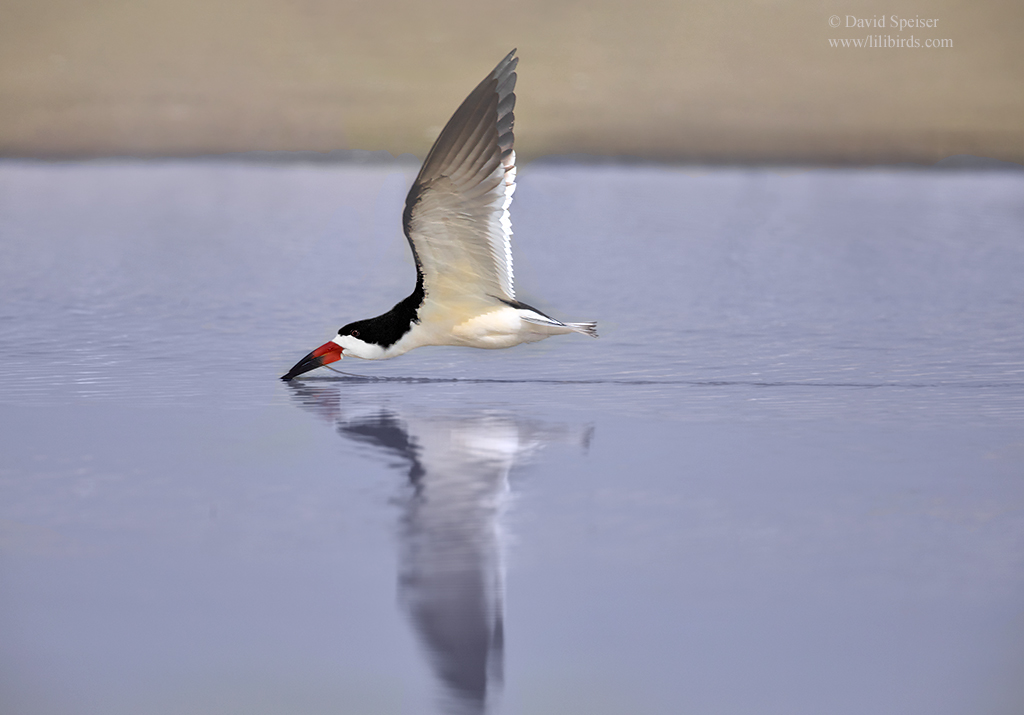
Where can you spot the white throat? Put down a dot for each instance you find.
(354, 347)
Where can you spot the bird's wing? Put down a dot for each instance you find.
(456, 214)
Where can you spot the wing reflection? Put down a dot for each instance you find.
(451, 572)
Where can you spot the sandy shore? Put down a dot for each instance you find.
(759, 82)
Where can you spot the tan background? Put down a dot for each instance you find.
(710, 81)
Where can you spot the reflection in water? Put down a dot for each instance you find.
(451, 572)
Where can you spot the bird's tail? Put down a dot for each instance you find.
(585, 328)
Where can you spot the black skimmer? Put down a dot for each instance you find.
(457, 222)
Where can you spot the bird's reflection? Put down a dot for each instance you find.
(451, 573)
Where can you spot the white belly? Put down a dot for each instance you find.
(496, 327)
(499, 328)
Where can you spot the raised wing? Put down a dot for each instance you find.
(456, 214)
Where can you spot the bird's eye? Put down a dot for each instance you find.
(355, 333)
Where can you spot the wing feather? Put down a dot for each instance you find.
(456, 214)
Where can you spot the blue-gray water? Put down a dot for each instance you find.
(789, 477)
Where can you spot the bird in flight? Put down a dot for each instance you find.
(457, 223)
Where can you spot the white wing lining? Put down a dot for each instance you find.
(456, 215)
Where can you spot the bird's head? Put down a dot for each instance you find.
(346, 342)
(356, 340)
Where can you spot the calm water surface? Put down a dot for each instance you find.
(789, 477)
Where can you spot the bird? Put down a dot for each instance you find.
(457, 223)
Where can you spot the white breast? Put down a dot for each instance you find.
(500, 327)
